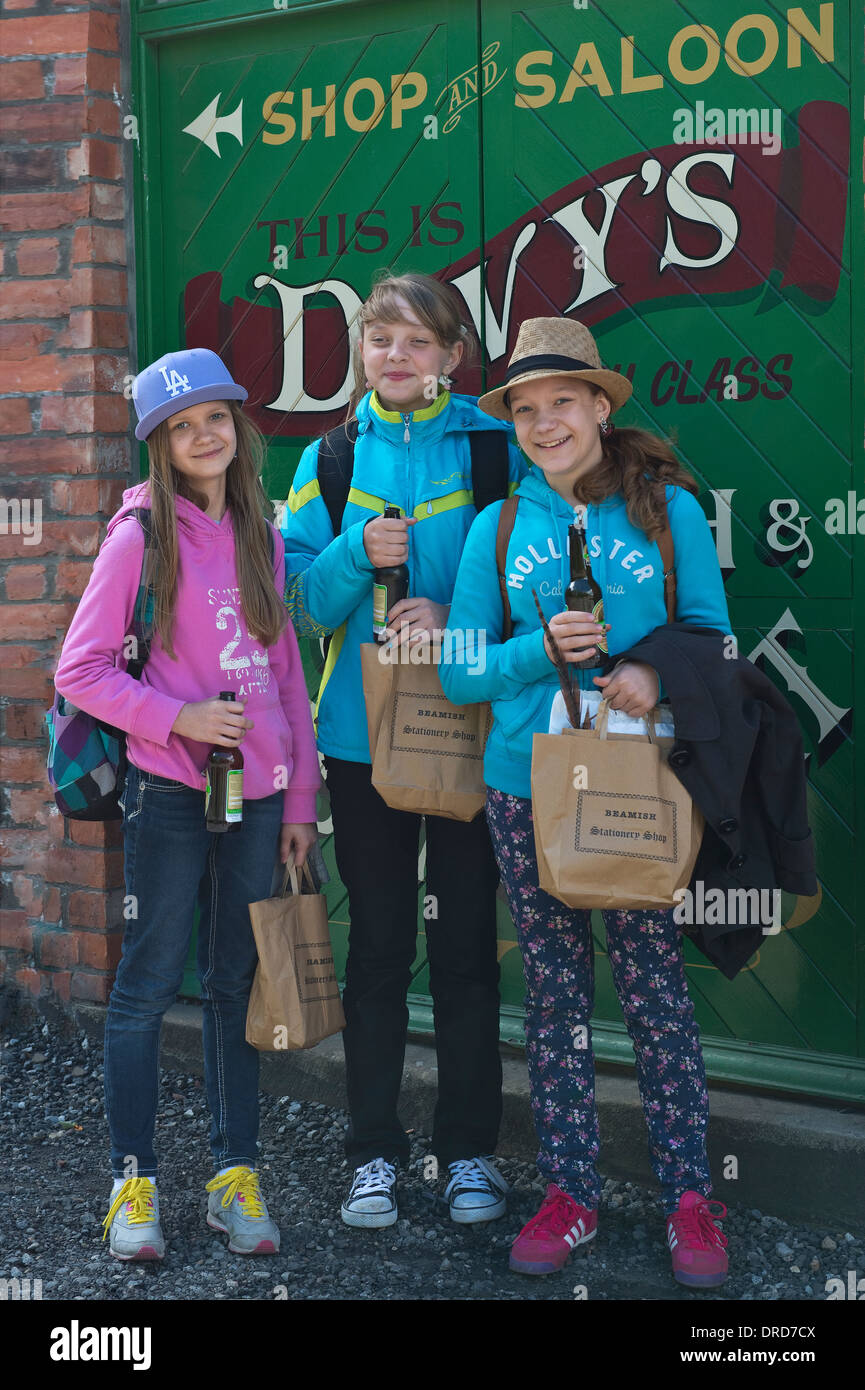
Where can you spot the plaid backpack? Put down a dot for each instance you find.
(87, 758)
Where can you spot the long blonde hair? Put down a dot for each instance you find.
(437, 306)
(263, 608)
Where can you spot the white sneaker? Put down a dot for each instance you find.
(372, 1199)
(476, 1191)
(133, 1222)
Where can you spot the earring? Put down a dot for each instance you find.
(606, 427)
(446, 381)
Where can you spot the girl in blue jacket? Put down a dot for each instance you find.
(628, 483)
(412, 451)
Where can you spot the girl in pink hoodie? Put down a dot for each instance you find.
(217, 571)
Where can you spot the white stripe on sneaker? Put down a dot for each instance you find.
(576, 1234)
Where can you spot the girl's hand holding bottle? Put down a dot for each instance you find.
(576, 634)
(213, 721)
(385, 540)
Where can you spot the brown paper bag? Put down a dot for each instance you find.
(295, 1000)
(614, 827)
(427, 754)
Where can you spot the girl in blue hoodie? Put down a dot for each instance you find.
(627, 484)
(412, 451)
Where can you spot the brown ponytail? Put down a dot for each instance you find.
(639, 465)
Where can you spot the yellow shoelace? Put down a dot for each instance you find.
(139, 1192)
(242, 1183)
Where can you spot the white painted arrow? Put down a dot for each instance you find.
(208, 126)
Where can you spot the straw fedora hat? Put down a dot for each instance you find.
(555, 347)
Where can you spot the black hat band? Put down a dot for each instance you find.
(547, 360)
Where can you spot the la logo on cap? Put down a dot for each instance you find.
(176, 383)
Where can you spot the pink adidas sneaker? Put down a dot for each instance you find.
(546, 1242)
(696, 1244)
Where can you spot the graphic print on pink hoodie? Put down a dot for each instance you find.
(214, 652)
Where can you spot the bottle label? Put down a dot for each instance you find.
(598, 615)
(379, 608)
(207, 790)
(234, 796)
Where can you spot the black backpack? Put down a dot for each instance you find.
(489, 452)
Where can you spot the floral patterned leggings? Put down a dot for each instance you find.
(648, 970)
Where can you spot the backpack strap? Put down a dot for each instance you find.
(334, 468)
(507, 518)
(142, 617)
(489, 451)
(665, 545)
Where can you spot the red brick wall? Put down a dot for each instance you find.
(64, 444)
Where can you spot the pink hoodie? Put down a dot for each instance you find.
(214, 652)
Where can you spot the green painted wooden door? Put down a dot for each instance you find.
(687, 185)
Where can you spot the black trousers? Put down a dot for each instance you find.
(376, 854)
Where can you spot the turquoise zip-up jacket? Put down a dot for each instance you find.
(516, 676)
(421, 463)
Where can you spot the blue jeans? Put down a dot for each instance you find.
(172, 861)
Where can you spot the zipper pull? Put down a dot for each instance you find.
(406, 437)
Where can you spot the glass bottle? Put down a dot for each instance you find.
(223, 804)
(583, 594)
(389, 585)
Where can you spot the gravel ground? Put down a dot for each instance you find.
(52, 1128)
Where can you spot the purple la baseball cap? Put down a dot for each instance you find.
(177, 380)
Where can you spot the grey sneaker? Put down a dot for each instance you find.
(236, 1207)
(476, 1191)
(372, 1200)
(133, 1222)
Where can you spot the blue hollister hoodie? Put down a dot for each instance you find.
(420, 462)
(517, 676)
